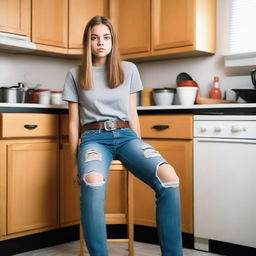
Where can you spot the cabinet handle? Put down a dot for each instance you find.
(30, 126)
(161, 127)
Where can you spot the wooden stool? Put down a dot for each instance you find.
(119, 204)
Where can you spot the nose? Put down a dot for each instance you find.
(100, 41)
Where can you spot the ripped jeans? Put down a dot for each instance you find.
(96, 151)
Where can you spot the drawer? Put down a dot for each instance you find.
(167, 126)
(15, 125)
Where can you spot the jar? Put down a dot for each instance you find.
(56, 97)
(43, 96)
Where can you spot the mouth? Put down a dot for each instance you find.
(101, 50)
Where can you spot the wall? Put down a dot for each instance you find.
(51, 71)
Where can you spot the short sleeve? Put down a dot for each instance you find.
(136, 84)
(70, 89)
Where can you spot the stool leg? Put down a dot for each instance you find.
(130, 215)
(81, 241)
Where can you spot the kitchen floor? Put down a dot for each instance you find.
(115, 249)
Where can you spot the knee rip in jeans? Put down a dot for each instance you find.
(91, 155)
(149, 151)
(167, 175)
(93, 179)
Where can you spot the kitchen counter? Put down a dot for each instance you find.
(238, 108)
(32, 108)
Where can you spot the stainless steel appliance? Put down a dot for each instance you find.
(225, 179)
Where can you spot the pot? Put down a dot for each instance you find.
(249, 95)
(13, 94)
(163, 96)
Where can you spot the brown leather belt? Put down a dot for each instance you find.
(109, 125)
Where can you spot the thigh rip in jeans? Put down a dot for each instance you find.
(93, 178)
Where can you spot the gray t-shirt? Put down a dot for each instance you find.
(103, 103)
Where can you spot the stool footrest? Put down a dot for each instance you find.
(118, 240)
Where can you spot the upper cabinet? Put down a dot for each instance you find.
(174, 28)
(172, 24)
(58, 25)
(131, 19)
(146, 29)
(15, 16)
(50, 22)
(80, 12)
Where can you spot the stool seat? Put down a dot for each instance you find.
(118, 173)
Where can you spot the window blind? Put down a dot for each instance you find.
(242, 27)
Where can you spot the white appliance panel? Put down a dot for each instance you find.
(225, 190)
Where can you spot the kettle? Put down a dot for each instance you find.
(253, 76)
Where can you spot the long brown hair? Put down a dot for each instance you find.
(114, 69)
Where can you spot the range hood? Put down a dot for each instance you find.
(15, 43)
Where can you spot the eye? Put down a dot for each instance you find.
(107, 37)
(93, 38)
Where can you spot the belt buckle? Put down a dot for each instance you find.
(109, 125)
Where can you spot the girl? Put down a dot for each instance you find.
(101, 94)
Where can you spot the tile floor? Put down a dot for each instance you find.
(115, 249)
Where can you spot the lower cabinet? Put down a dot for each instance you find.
(171, 135)
(37, 192)
(31, 184)
(29, 174)
(179, 154)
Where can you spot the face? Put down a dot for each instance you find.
(101, 41)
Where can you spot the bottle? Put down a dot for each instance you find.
(215, 92)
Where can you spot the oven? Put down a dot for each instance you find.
(224, 179)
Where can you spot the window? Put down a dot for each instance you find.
(241, 49)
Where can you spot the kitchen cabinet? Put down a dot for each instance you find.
(80, 12)
(15, 16)
(175, 145)
(29, 173)
(164, 29)
(173, 24)
(50, 24)
(131, 19)
(57, 25)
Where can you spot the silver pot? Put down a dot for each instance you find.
(14, 94)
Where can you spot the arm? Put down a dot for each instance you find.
(134, 121)
(73, 136)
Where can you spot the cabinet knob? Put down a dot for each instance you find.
(30, 126)
(160, 127)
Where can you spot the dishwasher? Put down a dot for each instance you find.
(224, 179)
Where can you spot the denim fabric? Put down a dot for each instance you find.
(143, 161)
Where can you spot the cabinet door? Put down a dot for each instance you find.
(50, 22)
(179, 154)
(172, 23)
(32, 187)
(80, 12)
(69, 192)
(15, 16)
(132, 21)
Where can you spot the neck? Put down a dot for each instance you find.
(99, 62)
